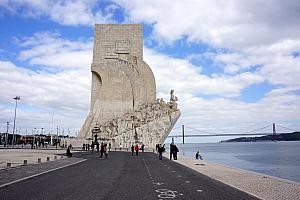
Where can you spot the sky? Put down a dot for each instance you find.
(234, 65)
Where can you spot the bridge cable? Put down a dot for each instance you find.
(179, 126)
(286, 128)
(201, 131)
(258, 129)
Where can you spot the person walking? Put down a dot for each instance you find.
(143, 147)
(68, 153)
(160, 150)
(132, 150)
(137, 148)
(105, 149)
(97, 146)
(101, 150)
(172, 148)
(92, 146)
(176, 150)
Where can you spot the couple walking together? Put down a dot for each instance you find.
(173, 151)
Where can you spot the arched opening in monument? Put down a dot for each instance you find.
(98, 78)
(96, 87)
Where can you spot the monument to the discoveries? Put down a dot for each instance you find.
(124, 109)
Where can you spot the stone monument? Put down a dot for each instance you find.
(123, 93)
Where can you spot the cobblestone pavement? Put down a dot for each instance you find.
(259, 185)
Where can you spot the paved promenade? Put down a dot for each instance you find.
(17, 156)
(260, 185)
(121, 176)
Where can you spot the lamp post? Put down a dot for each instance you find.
(34, 137)
(6, 138)
(13, 140)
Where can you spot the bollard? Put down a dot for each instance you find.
(39, 160)
(55, 157)
(25, 162)
(48, 158)
(8, 164)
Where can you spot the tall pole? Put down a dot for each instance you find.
(34, 137)
(6, 138)
(56, 136)
(13, 140)
(182, 134)
(274, 132)
(52, 129)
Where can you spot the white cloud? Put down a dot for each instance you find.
(184, 77)
(46, 90)
(70, 12)
(278, 65)
(232, 24)
(258, 37)
(50, 50)
(65, 93)
(221, 115)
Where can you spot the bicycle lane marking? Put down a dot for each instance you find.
(163, 192)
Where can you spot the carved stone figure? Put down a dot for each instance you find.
(173, 99)
(114, 127)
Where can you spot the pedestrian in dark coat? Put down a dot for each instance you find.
(101, 150)
(68, 153)
(172, 150)
(160, 150)
(132, 150)
(175, 152)
(143, 147)
(97, 146)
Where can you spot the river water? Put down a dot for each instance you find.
(280, 159)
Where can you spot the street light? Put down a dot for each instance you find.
(34, 137)
(13, 140)
(6, 138)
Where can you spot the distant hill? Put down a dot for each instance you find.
(280, 137)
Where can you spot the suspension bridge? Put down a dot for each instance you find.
(255, 132)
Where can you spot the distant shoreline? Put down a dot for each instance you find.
(295, 136)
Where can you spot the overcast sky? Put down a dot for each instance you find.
(234, 65)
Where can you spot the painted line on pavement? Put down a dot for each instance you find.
(32, 176)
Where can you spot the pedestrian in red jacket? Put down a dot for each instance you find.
(137, 148)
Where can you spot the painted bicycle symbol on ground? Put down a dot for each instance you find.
(166, 193)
